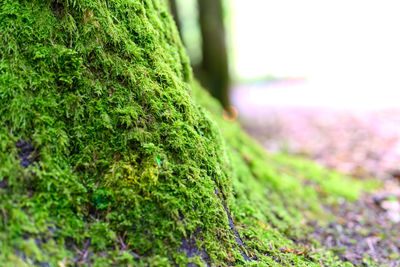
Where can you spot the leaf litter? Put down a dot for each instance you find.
(362, 144)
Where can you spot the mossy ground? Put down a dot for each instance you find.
(273, 195)
(111, 154)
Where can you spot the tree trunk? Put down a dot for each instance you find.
(102, 147)
(214, 67)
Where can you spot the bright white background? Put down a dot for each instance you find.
(343, 47)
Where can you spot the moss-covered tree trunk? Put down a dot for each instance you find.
(105, 158)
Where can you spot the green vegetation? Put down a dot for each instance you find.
(111, 154)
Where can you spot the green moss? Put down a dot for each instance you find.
(124, 165)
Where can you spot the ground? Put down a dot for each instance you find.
(362, 143)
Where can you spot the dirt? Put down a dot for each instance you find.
(360, 231)
(362, 144)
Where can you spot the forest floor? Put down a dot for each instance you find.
(361, 143)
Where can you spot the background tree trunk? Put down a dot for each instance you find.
(214, 72)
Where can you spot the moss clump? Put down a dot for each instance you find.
(106, 158)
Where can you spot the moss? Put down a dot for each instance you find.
(111, 154)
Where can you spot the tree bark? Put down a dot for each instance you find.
(214, 67)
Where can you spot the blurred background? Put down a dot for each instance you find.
(314, 78)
